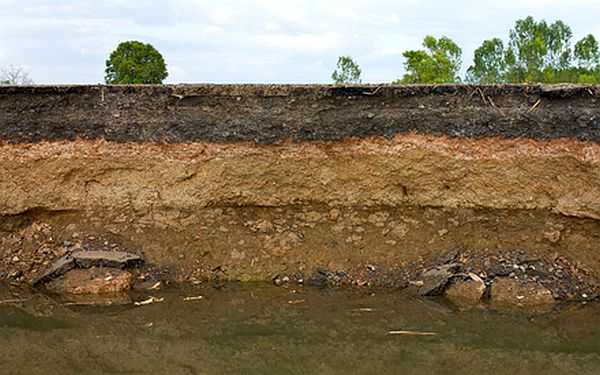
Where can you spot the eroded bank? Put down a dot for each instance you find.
(366, 185)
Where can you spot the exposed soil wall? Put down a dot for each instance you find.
(364, 185)
(271, 113)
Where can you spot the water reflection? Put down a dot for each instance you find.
(256, 329)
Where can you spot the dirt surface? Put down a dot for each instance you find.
(318, 245)
(271, 113)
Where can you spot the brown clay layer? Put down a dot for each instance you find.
(561, 176)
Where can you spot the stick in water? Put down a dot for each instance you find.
(412, 333)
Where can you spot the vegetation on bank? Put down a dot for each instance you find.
(535, 52)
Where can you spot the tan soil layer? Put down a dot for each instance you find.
(361, 211)
(561, 176)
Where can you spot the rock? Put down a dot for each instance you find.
(508, 291)
(433, 282)
(59, 267)
(279, 280)
(466, 292)
(113, 259)
(92, 281)
(334, 214)
(553, 236)
(88, 259)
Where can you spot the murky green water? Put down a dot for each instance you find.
(268, 330)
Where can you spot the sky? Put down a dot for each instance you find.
(258, 41)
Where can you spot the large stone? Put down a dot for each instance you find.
(61, 266)
(92, 281)
(114, 259)
(433, 282)
(88, 259)
(469, 292)
(508, 291)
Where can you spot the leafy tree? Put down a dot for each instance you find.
(489, 63)
(14, 75)
(587, 53)
(134, 62)
(439, 62)
(536, 52)
(347, 71)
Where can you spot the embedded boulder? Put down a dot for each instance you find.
(92, 281)
(508, 291)
(466, 292)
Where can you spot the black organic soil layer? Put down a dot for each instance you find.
(271, 113)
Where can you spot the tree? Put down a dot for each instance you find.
(134, 62)
(587, 53)
(536, 52)
(489, 63)
(439, 62)
(14, 75)
(347, 71)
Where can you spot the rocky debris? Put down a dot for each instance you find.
(467, 292)
(509, 291)
(467, 277)
(323, 277)
(565, 280)
(86, 260)
(112, 259)
(280, 280)
(92, 281)
(433, 282)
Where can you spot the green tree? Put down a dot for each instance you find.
(587, 56)
(347, 71)
(587, 53)
(489, 63)
(439, 62)
(134, 62)
(536, 52)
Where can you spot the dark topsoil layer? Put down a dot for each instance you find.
(270, 113)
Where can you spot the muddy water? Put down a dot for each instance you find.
(257, 329)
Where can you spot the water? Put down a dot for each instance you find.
(256, 329)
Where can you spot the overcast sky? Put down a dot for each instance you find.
(261, 41)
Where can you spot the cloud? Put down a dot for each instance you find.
(67, 41)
